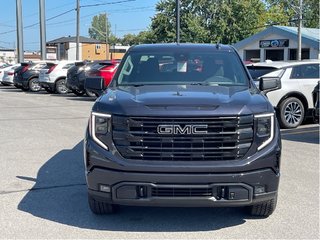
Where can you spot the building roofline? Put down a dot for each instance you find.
(73, 39)
(281, 30)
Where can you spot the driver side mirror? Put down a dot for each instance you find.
(95, 84)
(268, 84)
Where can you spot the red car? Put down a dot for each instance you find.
(105, 69)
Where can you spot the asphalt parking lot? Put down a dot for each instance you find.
(43, 192)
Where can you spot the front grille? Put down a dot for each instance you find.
(181, 192)
(227, 138)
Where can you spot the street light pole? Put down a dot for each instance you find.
(42, 29)
(178, 21)
(299, 31)
(107, 50)
(19, 31)
(78, 30)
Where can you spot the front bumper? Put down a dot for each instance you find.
(115, 180)
(182, 190)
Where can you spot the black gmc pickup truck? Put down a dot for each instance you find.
(182, 125)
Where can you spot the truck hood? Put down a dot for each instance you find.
(182, 100)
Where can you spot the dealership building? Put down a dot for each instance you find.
(279, 43)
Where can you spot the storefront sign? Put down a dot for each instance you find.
(274, 43)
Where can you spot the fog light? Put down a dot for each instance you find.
(105, 188)
(259, 189)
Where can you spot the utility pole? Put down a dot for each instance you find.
(20, 50)
(299, 31)
(78, 30)
(178, 21)
(42, 29)
(107, 49)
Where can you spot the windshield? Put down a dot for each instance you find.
(199, 68)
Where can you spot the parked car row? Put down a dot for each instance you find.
(294, 95)
(57, 76)
(81, 71)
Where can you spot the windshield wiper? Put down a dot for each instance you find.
(200, 83)
(131, 85)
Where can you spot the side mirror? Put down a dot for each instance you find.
(268, 84)
(95, 84)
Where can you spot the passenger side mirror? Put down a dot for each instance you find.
(95, 84)
(268, 84)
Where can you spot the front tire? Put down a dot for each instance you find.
(61, 86)
(89, 93)
(34, 85)
(100, 208)
(264, 209)
(291, 111)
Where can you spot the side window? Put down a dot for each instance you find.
(305, 71)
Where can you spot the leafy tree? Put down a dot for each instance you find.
(225, 21)
(98, 28)
(289, 9)
(129, 39)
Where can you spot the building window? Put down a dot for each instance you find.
(275, 54)
(98, 48)
(252, 55)
(305, 53)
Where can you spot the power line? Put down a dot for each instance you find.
(35, 24)
(126, 10)
(108, 3)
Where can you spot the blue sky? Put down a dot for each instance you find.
(132, 16)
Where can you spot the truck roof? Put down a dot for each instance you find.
(181, 46)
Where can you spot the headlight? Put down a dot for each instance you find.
(264, 129)
(100, 126)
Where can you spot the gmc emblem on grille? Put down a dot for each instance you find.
(187, 129)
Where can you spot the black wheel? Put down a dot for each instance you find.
(61, 86)
(264, 209)
(34, 85)
(49, 90)
(78, 92)
(89, 93)
(25, 89)
(98, 207)
(291, 111)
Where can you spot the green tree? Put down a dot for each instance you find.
(287, 12)
(98, 28)
(129, 39)
(225, 21)
(311, 14)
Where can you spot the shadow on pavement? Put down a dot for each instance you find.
(59, 195)
(10, 89)
(309, 134)
(82, 99)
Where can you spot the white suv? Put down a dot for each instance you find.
(292, 98)
(53, 77)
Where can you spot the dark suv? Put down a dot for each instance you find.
(183, 125)
(76, 77)
(26, 77)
